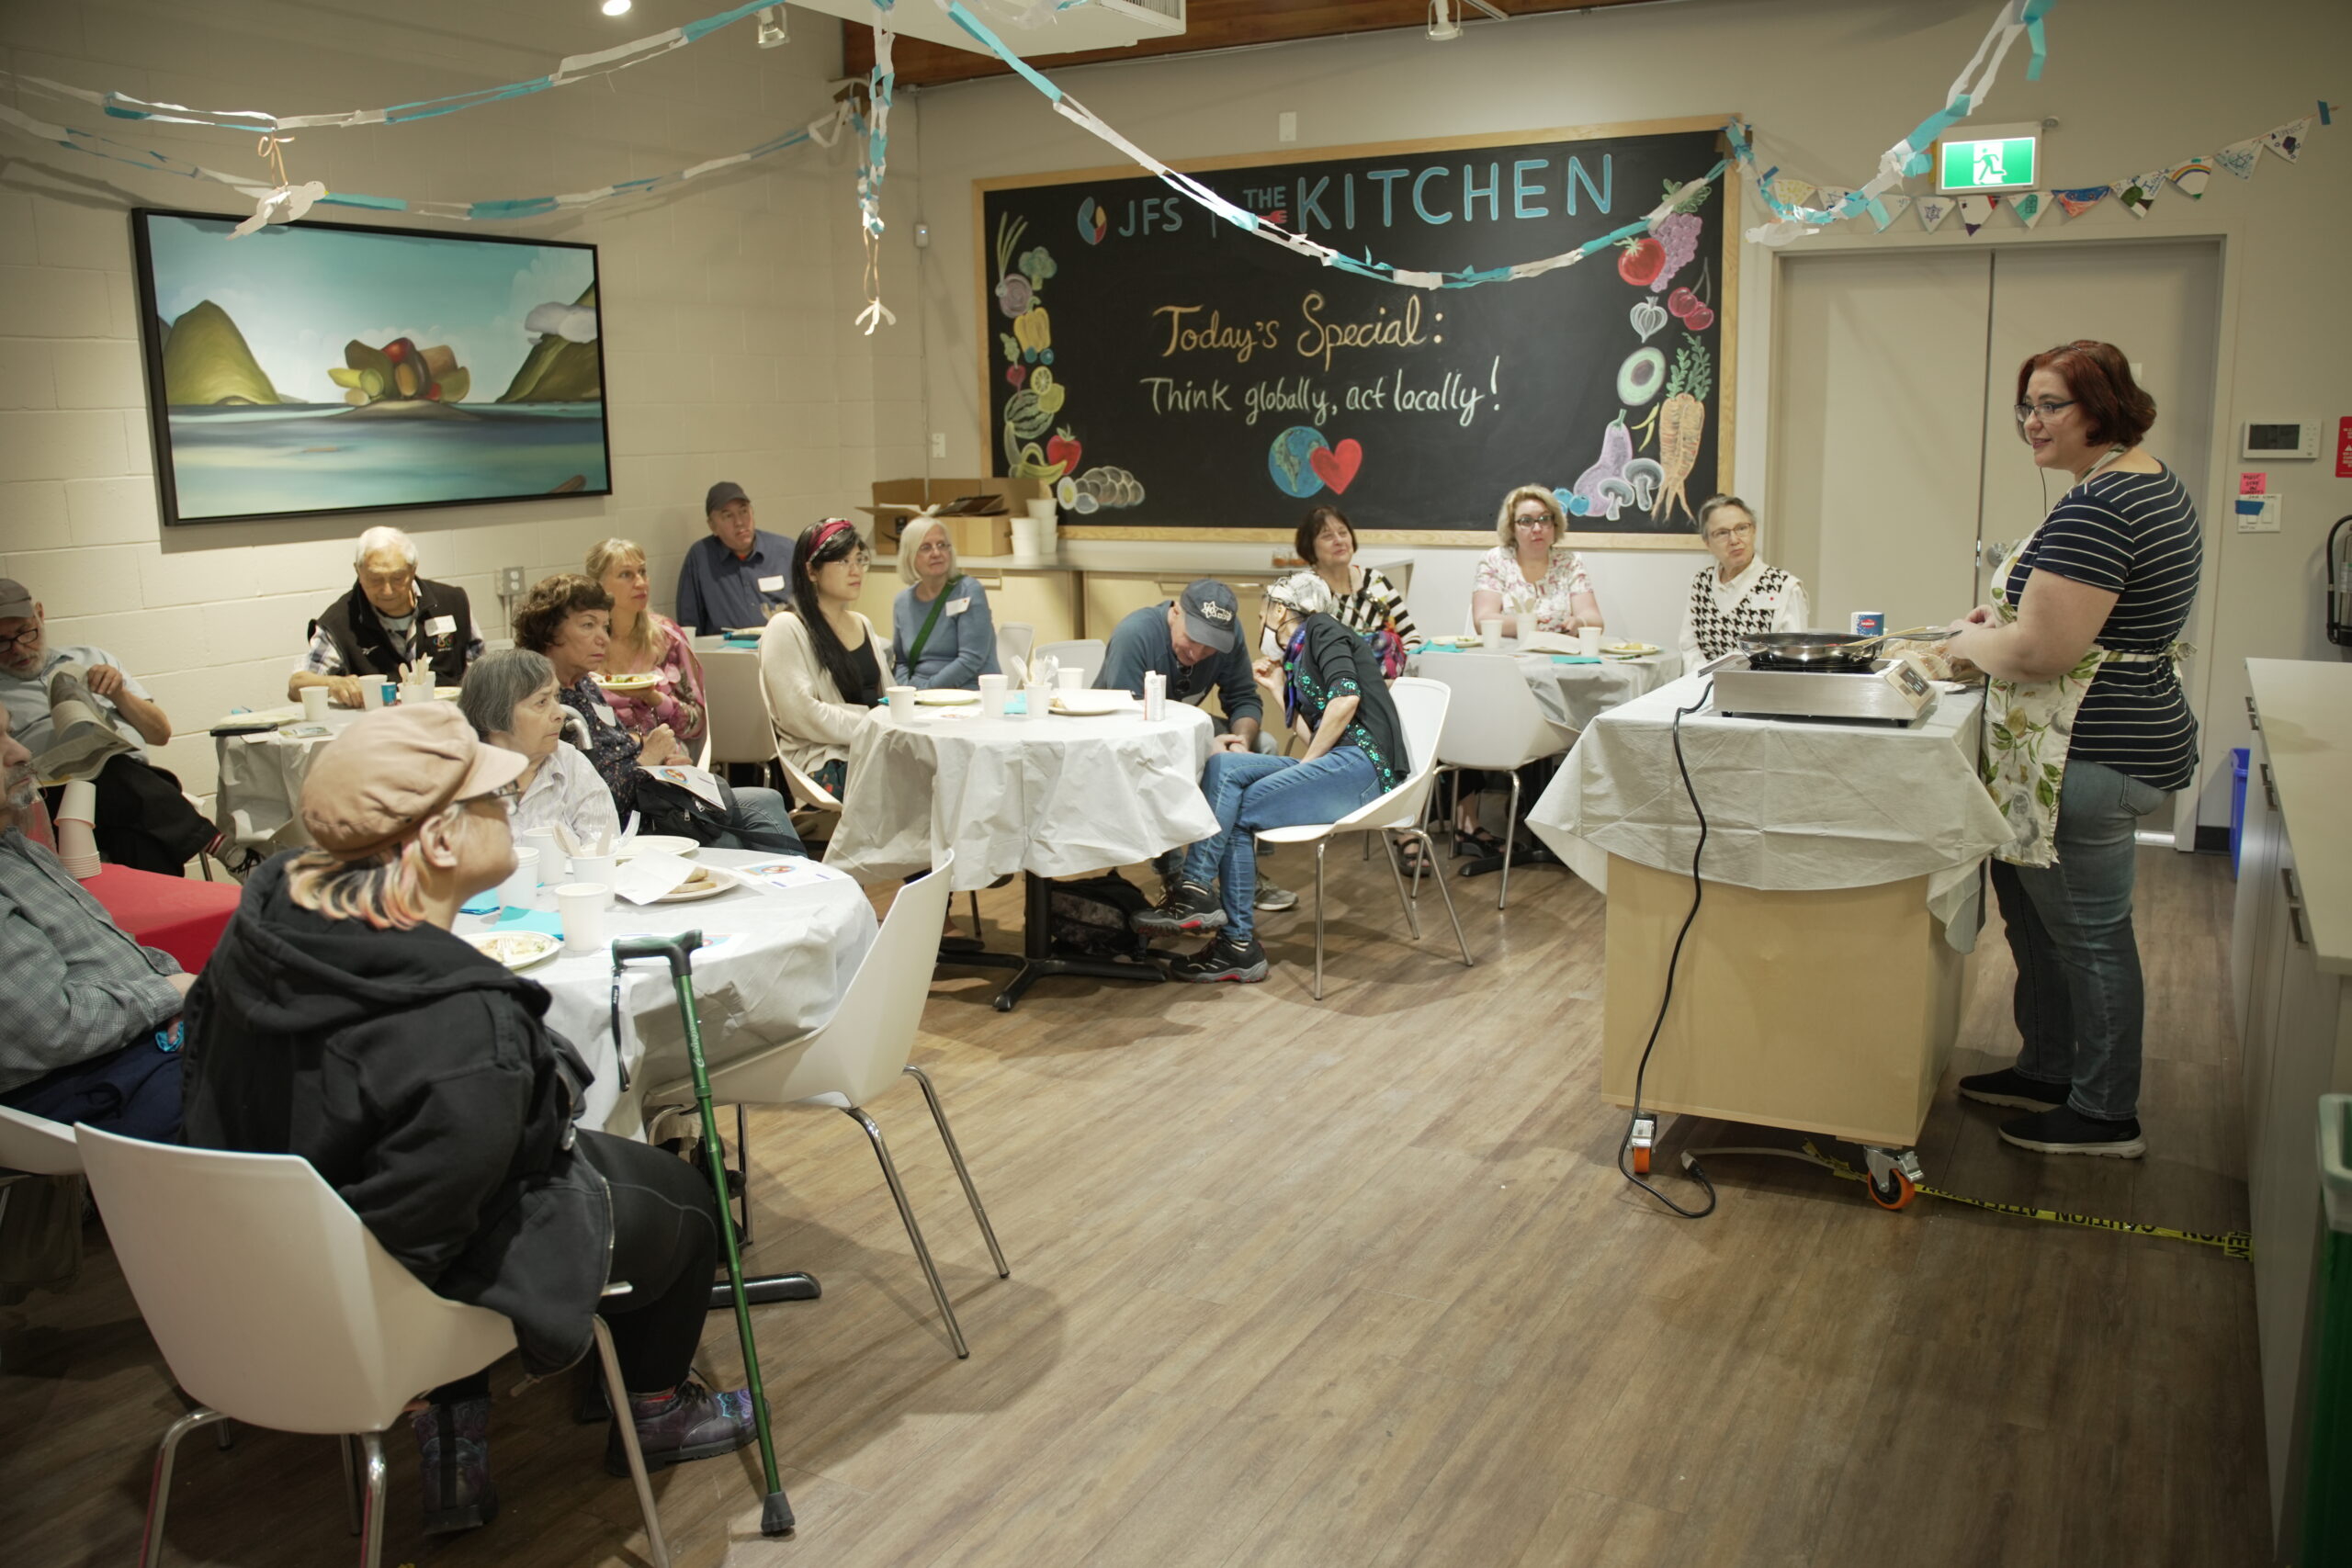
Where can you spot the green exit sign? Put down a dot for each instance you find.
(1997, 160)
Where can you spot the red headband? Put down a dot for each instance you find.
(831, 526)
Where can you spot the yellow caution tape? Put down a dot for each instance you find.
(2232, 1244)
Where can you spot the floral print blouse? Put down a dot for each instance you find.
(678, 701)
(1498, 573)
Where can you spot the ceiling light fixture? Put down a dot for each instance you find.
(774, 30)
(1444, 25)
(615, 7)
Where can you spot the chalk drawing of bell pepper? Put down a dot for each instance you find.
(1033, 331)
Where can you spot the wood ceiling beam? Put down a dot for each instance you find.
(1210, 24)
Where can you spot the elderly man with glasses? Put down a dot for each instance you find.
(1739, 595)
(389, 618)
(143, 820)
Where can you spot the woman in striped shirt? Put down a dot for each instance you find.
(2090, 732)
(1358, 597)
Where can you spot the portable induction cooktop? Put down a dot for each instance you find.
(1896, 692)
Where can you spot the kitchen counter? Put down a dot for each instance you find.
(2306, 716)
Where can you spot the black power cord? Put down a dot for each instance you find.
(1698, 892)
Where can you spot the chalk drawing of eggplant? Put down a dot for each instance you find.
(1616, 451)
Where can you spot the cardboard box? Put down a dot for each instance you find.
(972, 536)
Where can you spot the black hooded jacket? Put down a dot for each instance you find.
(416, 1076)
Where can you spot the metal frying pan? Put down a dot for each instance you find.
(1817, 647)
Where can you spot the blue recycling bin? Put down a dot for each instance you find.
(2240, 758)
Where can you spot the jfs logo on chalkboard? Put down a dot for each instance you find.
(1164, 370)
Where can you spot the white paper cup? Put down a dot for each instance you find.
(314, 704)
(523, 885)
(1043, 509)
(598, 869)
(417, 692)
(1492, 631)
(1028, 538)
(1069, 680)
(550, 857)
(902, 703)
(1040, 699)
(992, 695)
(371, 692)
(1589, 641)
(580, 907)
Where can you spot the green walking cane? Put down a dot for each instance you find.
(776, 1512)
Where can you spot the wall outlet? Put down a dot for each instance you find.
(939, 444)
(510, 582)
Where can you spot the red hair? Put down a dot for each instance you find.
(2116, 409)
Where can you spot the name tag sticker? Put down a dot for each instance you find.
(772, 584)
(441, 626)
(605, 712)
(958, 607)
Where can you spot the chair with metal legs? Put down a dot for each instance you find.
(274, 1306)
(1420, 708)
(862, 1050)
(1494, 725)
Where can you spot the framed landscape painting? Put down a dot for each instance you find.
(311, 368)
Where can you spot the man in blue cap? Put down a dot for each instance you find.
(740, 575)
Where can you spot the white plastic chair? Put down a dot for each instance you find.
(737, 729)
(862, 1050)
(1013, 641)
(1422, 709)
(36, 1146)
(1493, 724)
(274, 1306)
(1085, 655)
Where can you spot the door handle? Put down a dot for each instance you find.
(2253, 715)
(2294, 906)
(2270, 787)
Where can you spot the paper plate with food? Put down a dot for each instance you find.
(1630, 649)
(655, 845)
(708, 881)
(642, 680)
(945, 697)
(516, 950)
(1092, 703)
(1466, 640)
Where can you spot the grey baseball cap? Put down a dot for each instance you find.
(721, 494)
(1211, 614)
(16, 601)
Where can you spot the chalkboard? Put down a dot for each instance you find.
(1169, 371)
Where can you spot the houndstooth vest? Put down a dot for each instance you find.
(1717, 630)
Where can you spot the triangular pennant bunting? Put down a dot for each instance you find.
(2239, 157)
(2288, 140)
(1932, 211)
(1790, 191)
(1975, 212)
(2029, 207)
(2139, 192)
(2189, 178)
(1888, 208)
(1828, 198)
(2081, 200)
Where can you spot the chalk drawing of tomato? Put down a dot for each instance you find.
(1643, 259)
(1063, 449)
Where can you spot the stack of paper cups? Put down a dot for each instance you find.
(1028, 536)
(77, 847)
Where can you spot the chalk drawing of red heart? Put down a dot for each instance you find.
(1337, 466)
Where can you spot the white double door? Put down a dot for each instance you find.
(1896, 454)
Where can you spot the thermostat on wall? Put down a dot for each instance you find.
(2281, 438)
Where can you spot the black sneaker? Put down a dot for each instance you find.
(2066, 1131)
(1188, 907)
(2009, 1087)
(1222, 959)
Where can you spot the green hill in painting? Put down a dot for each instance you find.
(205, 362)
(557, 371)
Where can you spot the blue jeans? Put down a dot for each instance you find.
(760, 821)
(2078, 1001)
(1251, 792)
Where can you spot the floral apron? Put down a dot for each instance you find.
(2029, 725)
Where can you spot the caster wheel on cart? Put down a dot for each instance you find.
(1894, 1190)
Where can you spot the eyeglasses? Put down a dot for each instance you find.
(1536, 520)
(24, 638)
(2047, 408)
(1728, 529)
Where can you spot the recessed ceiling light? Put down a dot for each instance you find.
(615, 7)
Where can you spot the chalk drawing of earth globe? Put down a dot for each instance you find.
(1289, 462)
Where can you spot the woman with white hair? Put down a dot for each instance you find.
(1739, 595)
(340, 1020)
(644, 643)
(941, 633)
(513, 701)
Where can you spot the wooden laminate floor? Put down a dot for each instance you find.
(1357, 1283)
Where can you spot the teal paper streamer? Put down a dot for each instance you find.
(995, 45)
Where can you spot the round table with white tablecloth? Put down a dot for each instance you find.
(1043, 797)
(259, 792)
(776, 962)
(1575, 690)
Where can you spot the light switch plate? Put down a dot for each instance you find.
(1287, 127)
(2258, 513)
(939, 444)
